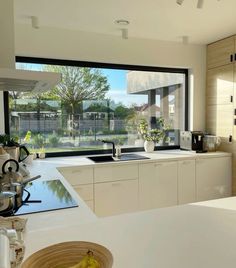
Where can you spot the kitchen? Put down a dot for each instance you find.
(113, 49)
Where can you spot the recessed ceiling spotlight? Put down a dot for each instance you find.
(179, 2)
(122, 22)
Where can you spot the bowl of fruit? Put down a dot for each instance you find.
(72, 254)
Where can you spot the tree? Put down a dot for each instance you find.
(121, 111)
(79, 84)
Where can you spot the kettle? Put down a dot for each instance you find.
(17, 152)
(10, 175)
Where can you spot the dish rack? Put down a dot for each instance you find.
(12, 248)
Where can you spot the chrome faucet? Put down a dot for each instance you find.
(113, 146)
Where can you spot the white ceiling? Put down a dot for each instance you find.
(151, 19)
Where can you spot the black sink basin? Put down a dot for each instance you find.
(101, 158)
(109, 158)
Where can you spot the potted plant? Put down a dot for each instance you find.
(152, 135)
(33, 155)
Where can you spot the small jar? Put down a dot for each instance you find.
(118, 151)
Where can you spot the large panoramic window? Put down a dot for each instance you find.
(98, 103)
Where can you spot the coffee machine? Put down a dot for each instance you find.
(192, 141)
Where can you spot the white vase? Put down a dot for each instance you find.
(149, 146)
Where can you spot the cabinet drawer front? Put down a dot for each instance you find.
(213, 178)
(116, 197)
(157, 185)
(115, 172)
(220, 85)
(220, 120)
(186, 182)
(77, 175)
(85, 191)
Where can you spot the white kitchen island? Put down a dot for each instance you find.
(187, 236)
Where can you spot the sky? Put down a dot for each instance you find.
(118, 88)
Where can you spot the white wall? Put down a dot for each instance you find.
(76, 45)
(7, 58)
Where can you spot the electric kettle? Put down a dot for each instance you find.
(17, 152)
(211, 143)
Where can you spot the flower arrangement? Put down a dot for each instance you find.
(155, 134)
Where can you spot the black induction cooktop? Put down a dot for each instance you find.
(40, 196)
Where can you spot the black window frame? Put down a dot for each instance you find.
(76, 63)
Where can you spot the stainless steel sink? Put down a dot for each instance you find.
(123, 157)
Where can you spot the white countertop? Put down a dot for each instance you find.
(154, 156)
(190, 236)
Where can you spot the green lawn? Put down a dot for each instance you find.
(69, 149)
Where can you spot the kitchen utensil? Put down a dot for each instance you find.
(211, 143)
(68, 254)
(7, 201)
(23, 169)
(191, 141)
(10, 175)
(29, 159)
(3, 159)
(25, 181)
(17, 152)
(18, 188)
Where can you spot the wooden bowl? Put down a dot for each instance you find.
(64, 255)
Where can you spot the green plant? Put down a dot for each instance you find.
(6, 140)
(39, 141)
(154, 134)
(27, 136)
(53, 140)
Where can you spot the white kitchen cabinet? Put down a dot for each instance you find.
(85, 191)
(213, 178)
(77, 175)
(81, 179)
(157, 184)
(221, 52)
(90, 204)
(115, 172)
(186, 182)
(116, 197)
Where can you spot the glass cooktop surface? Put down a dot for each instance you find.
(42, 196)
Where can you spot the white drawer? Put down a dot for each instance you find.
(85, 191)
(115, 172)
(77, 175)
(118, 197)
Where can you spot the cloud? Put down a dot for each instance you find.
(127, 99)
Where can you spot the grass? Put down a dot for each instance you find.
(69, 149)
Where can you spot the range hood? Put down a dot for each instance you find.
(27, 81)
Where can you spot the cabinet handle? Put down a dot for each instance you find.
(199, 161)
(186, 162)
(75, 171)
(158, 165)
(231, 57)
(115, 184)
(230, 138)
(235, 57)
(231, 98)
